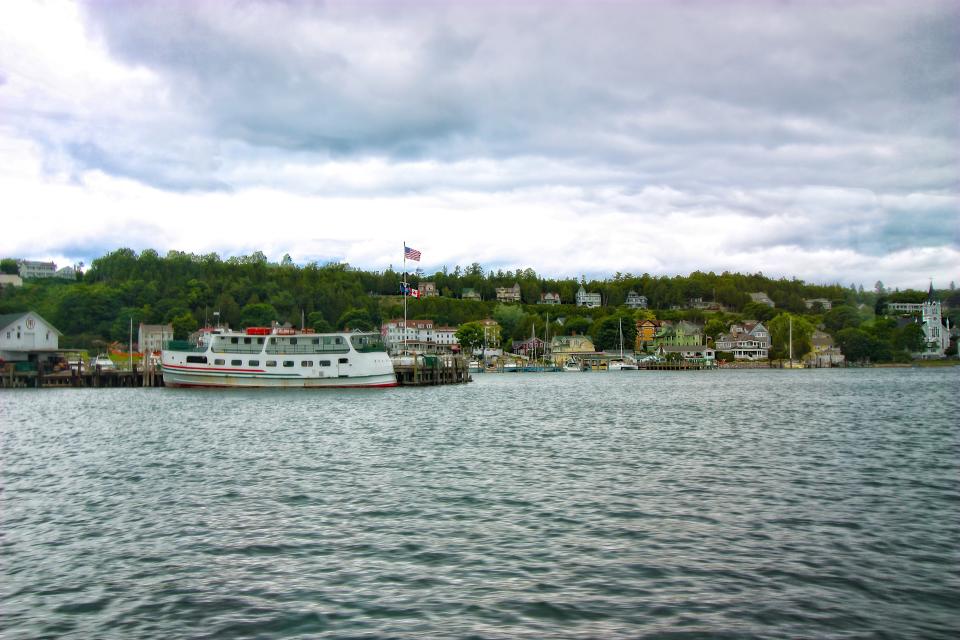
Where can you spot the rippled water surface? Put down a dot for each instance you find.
(735, 503)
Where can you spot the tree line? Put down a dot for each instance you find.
(191, 290)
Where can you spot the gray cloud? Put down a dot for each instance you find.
(812, 125)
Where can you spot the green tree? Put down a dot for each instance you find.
(183, 325)
(509, 317)
(9, 266)
(576, 326)
(470, 336)
(715, 327)
(355, 319)
(780, 332)
(259, 314)
(910, 338)
(316, 320)
(856, 344)
(841, 317)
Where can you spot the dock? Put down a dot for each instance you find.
(430, 370)
(11, 378)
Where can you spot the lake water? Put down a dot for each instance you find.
(820, 503)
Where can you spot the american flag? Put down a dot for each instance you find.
(411, 254)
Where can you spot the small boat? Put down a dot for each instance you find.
(474, 366)
(621, 364)
(103, 361)
(572, 365)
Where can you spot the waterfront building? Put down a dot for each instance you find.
(509, 294)
(470, 294)
(151, 337)
(564, 348)
(26, 336)
(825, 304)
(589, 300)
(823, 353)
(418, 335)
(428, 290)
(762, 298)
(695, 354)
(682, 333)
(636, 301)
(549, 297)
(937, 337)
(747, 341)
(646, 332)
(528, 347)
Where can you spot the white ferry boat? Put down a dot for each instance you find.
(276, 357)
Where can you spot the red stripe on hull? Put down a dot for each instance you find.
(379, 385)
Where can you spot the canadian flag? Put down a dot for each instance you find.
(415, 293)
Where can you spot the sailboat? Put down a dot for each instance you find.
(621, 364)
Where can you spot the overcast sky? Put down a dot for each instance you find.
(811, 139)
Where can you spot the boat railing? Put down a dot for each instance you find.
(307, 348)
(184, 345)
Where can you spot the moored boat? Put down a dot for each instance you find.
(275, 357)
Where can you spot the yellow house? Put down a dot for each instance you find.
(562, 348)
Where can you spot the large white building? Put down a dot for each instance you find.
(937, 336)
(419, 335)
(150, 337)
(25, 336)
(39, 269)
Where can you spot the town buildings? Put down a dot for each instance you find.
(151, 337)
(40, 269)
(470, 294)
(509, 294)
(419, 335)
(577, 348)
(636, 301)
(549, 297)
(747, 341)
(26, 336)
(823, 353)
(428, 290)
(825, 304)
(589, 300)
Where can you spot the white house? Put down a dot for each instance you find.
(150, 337)
(549, 297)
(418, 335)
(825, 304)
(761, 297)
(26, 334)
(636, 301)
(585, 299)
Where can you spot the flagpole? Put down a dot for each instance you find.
(403, 290)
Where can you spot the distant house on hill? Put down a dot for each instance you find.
(428, 289)
(589, 300)
(636, 301)
(509, 294)
(549, 298)
(470, 294)
(825, 304)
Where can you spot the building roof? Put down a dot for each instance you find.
(9, 318)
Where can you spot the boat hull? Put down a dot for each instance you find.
(174, 376)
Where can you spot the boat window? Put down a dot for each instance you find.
(324, 363)
(246, 341)
(234, 340)
(306, 363)
(338, 340)
(271, 363)
(236, 363)
(343, 361)
(197, 359)
(288, 363)
(293, 341)
(259, 340)
(316, 341)
(218, 361)
(253, 363)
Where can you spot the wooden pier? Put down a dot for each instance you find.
(424, 371)
(96, 378)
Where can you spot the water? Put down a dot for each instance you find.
(737, 503)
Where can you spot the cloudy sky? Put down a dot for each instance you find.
(811, 139)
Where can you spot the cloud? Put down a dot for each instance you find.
(572, 137)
